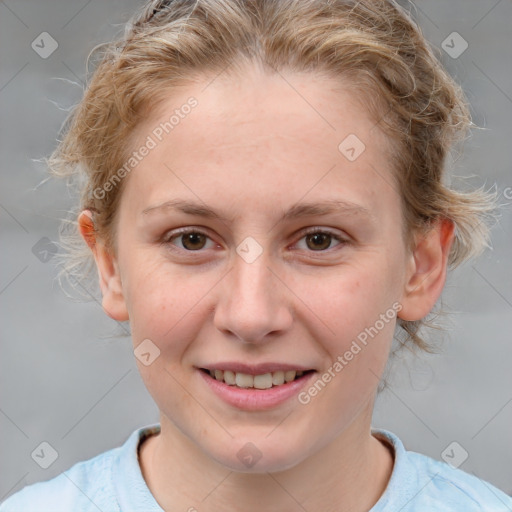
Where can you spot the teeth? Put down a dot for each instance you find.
(229, 377)
(278, 378)
(242, 380)
(264, 381)
(289, 375)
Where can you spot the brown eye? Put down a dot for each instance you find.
(193, 241)
(318, 241)
(190, 240)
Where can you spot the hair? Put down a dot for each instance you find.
(372, 45)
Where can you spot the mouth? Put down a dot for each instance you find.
(262, 381)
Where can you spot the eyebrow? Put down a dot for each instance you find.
(296, 211)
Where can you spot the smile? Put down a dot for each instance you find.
(262, 381)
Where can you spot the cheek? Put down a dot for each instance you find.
(357, 306)
(358, 317)
(165, 308)
(352, 299)
(162, 300)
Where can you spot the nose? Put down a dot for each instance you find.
(253, 304)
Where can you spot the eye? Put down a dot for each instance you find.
(190, 240)
(194, 240)
(319, 240)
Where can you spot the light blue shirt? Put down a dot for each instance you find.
(112, 482)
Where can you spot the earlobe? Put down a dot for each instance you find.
(427, 276)
(108, 271)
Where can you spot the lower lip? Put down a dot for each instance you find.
(251, 399)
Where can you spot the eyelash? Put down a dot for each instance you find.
(168, 238)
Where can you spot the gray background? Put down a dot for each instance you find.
(64, 381)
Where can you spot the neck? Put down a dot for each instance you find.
(349, 474)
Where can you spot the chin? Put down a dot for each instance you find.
(258, 456)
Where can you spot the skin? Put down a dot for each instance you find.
(250, 150)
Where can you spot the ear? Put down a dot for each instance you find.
(110, 279)
(427, 274)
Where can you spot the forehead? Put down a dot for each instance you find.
(255, 139)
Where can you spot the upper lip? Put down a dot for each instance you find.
(255, 369)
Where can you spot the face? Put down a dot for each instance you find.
(248, 236)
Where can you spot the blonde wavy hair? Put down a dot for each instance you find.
(374, 45)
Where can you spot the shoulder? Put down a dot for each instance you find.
(111, 481)
(84, 487)
(453, 487)
(421, 483)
